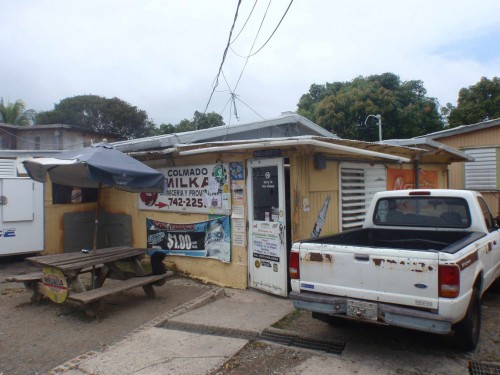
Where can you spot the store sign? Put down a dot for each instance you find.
(269, 153)
(199, 188)
(207, 239)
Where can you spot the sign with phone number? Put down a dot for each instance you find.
(185, 202)
(198, 188)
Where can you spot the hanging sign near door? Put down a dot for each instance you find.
(266, 242)
(195, 188)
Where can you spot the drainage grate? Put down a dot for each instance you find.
(481, 368)
(210, 330)
(303, 342)
(277, 337)
(267, 335)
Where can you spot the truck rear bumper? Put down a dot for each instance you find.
(389, 314)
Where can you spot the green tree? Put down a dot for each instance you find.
(165, 129)
(343, 107)
(479, 102)
(199, 121)
(100, 114)
(16, 113)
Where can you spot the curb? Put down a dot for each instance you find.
(213, 294)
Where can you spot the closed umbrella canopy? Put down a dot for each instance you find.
(95, 166)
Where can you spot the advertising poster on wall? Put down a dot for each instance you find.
(207, 239)
(197, 188)
(236, 170)
(404, 179)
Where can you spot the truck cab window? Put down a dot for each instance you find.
(488, 218)
(422, 211)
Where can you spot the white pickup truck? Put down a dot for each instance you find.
(422, 260)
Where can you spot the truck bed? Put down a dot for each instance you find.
(445, 241)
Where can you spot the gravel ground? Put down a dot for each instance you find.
(36, 337)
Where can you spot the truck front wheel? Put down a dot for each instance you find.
(467, 331)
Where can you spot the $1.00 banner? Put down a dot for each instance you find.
(208, 239)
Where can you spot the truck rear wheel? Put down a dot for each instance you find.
(467, 331)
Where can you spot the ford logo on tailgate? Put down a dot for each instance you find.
(420, 286)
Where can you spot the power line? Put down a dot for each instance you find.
(233, 94)
(253, 44)
(268, 39)
(227, 83)
(225, 105)
(216, 81)
(243, 27)
(250, 108)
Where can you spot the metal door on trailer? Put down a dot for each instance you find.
(22, 216)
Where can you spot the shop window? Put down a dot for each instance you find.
(62, 194)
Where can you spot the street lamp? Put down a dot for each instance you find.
(379, 118)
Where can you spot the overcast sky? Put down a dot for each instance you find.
(162, 56)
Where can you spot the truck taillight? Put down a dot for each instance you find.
(294, 265)
(449, 281)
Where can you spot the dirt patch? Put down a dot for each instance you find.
(258, 358)
(386, 348)
(36, 337)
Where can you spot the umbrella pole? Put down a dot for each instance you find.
(96, 220)
(96, 227)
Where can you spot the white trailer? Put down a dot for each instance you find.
(21, 211)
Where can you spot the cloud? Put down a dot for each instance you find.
(162, 56)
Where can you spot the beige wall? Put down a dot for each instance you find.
(314, 185)
(54, 224)
(305, 182)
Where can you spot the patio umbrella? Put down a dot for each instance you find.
(97, 166)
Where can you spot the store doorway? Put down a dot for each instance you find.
(269, 224)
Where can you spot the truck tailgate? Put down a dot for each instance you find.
(375, 274)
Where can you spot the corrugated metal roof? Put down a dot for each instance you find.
(25, 128)
(434, 149)
(27, 153)
(170, 140)
(427, 151)
(462, 129)
(322, 144)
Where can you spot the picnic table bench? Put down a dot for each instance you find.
(61, 274)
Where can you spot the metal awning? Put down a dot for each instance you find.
(323, 143)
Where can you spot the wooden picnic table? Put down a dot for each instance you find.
(118, 263)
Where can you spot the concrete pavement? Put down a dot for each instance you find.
(182, 341)
(153, 349)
